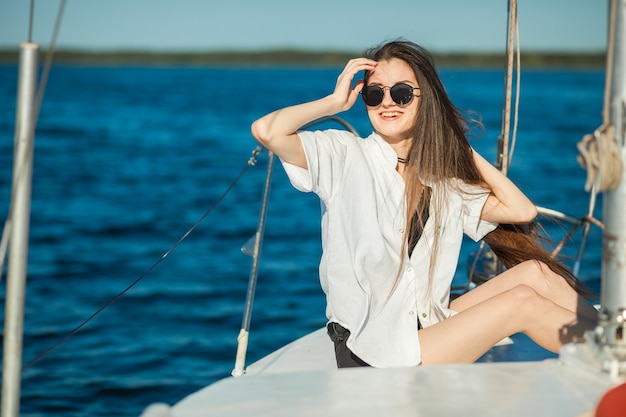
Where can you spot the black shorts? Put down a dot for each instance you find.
(344, 356)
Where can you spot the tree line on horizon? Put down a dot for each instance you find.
(289, 57)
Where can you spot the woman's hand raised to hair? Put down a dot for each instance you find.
(506, 203)
(344, 93)
(277, 130)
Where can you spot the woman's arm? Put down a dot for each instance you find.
(506, 203)
(277, 130)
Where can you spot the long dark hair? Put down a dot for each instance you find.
(440, 153)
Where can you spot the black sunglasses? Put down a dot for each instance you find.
(401, 93)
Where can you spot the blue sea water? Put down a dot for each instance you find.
(128, 159)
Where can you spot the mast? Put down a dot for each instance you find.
(20, 225)
(611, 331)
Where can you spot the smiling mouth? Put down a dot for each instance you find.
(390, 114)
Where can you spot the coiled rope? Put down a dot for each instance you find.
(599, 152)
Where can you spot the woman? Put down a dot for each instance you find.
(395, 207)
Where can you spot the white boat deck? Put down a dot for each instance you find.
(301, 379)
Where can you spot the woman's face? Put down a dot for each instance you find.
(393, 121)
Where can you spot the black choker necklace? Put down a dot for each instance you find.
(402, 160)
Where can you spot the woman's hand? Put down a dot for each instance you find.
(344, 93)
(277, 130)
(506, 203)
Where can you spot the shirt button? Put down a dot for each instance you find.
(411, 313)
(409, 269)
(424, 315)
(401, 230)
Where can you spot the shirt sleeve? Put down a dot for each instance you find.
(325, 153)
(474, 199)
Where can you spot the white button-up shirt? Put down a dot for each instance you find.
(363, 223)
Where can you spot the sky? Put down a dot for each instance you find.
(346, 25)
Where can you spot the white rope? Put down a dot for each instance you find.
(513, 61)
(599, 153)
(242, 348)
(517, 90)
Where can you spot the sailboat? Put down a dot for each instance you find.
(301, 378)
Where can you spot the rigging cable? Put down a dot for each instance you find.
(8, 224)
(251, 162)
(504, 152)
(517, 91)
(504, 155)
(599, 152)
(587, 147)
(30, 20)
(48, 61)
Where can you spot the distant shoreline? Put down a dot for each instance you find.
(296, 58)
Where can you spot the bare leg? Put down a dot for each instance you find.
(466, 336)
(537, 276)
(527, 298)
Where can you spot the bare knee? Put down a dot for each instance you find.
(528, 304)
(524, 295)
